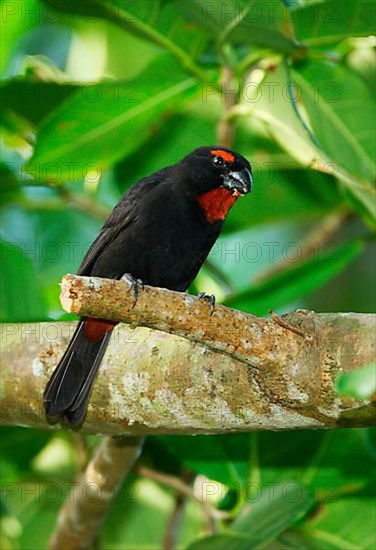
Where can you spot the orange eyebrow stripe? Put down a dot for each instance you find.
(227, 157)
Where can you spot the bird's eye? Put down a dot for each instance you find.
(218, 161)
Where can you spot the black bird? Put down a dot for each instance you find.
(160, 232)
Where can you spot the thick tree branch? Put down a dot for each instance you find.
(217, 373)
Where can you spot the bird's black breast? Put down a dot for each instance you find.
(164, 244)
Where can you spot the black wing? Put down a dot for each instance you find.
(124, 214)
(120, 217)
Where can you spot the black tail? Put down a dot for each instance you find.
(67, 392)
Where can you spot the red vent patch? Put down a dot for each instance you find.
(95, 329)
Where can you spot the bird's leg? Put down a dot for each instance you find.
(209, 298)
(136, 285)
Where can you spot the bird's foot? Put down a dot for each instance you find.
(136, 285)
(209, 298)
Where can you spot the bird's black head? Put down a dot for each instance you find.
(218, 167)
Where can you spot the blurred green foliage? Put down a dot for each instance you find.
(95, 95)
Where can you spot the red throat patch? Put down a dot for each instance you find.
(216, 203)
(95, 329)
(225, 155)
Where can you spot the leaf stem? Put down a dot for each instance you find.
(295, 107)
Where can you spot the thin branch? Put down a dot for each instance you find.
(178, 485)
(170, 541)
(174, 525)
(277, 319)
(82, 515)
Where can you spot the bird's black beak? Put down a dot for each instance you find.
(239, 183)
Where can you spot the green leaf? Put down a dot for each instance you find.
(56, 242)
(92, 130)
(9, 184)
(319, 460)
(153, 21)
(31, 441)
(144, 526)
(362, 60)
(333, 20)
(348, 524)
(360, 383)
(291, 540)
(225, 458)
(265, 25)
(33, 100)
(341, 112)
(31, 499)
(300, 280)
(264, 521)
(16, 19)
(224, 541)
(294, 539)
(21, 296)
(134, 18)
(270, 103)
(275, 511)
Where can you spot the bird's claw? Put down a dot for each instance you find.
(136, 285)
(209, 298)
